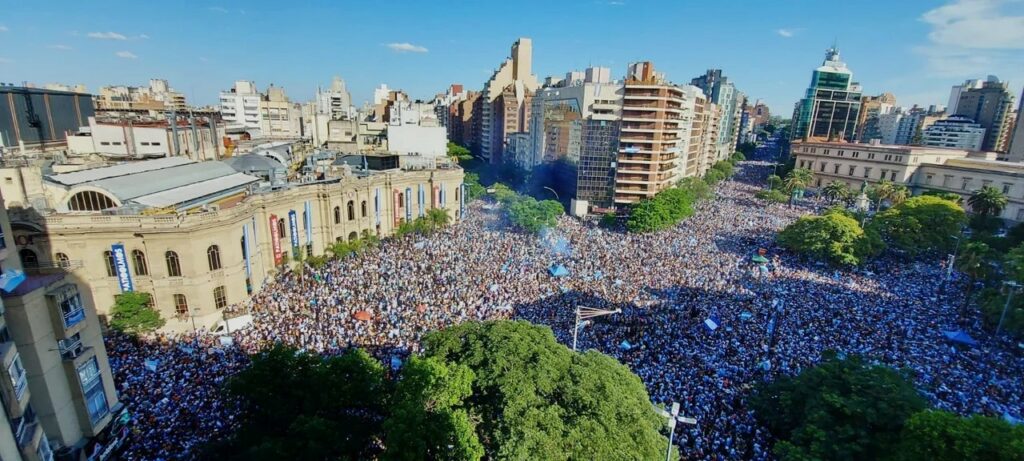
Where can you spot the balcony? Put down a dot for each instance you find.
(13, 381)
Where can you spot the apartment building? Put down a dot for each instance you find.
(990, 105)
(1016, 151)
(920, 168)
(692, 131)
(649, 140)
(954, 132)
(158, 96)
(516, 75)
(240, 106)
(463, 121)
(57, 392)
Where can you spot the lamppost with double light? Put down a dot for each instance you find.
(1013, 286)
(673, 418)
(586, 313)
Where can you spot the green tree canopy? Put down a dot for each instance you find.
(987, 201)
(133, 313)
(533, 397)
(458, 152)
(942, 436)
(649, 215)
(832, 237)
(532, 216)
(297, 405)
(798, 178)
(921, 224)
(841, 409)
(836, 191)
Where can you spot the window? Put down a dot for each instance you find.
(144, 143)
(352, 237)
(18, 377)
(966, 182)
(835, 169)
(280, 228)
(90, 201)
(109, 258)
(155, 143)
(70, 303)
(71, 347)
(881, 174)
(871, 155)
(337, 215)
(139, 258)
(92, 387)
(853, 168)
(245, 251)
(928, 179)
(44, 452)
(947, 180)
(892, 175)
(351, 206)
(63, 261)
(867, 172)
(220, 297)
(104, 143)
(213, 257)
(822, 169)
(856, 154)
(1006, 188)
(173, 264)
(28, 258)
(180, 304)
(305, 219)
(362, 208)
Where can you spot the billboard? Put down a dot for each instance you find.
(124, 275)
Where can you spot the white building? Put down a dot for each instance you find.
(269, 115)
(955, 132)
(336, 101)
(240, 106)
(413, 129)
(192, 138)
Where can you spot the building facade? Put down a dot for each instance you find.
(240, 106)
(198, 139)
(831, 106)
(872, 107)
(954, 132)
(515, 73)
(158, 96)
(991, 106)
(1016, 153)
(32, 118)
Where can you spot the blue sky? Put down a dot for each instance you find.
(914, 48)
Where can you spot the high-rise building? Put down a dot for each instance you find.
(723, 93)
(691, 131)
(870, 109)
(649, 141)
(57, 390)
(831, 107)
(954, 94)
(991, 106)
(760, 115)
(270, 115)
(513, 76)
(955, 132)
(336, 101)
(1016, 151)
(240, 106)
(462, 121)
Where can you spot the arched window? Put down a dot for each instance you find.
(353, 236)
(213, 257)
(90, 201)
(351, 210)
(63, 261)
(457, 190)
(362, 207)
(280, 228)
(139, 258)
(245, 251)
(337, 215)
(401, 200)
(173, 264)
(339, 239)
(220, 297)
(180, 304)
(108, 257)
(28, 258)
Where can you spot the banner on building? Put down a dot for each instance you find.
(376, 204)
(422, 198)
(408, 204)
(275, 239)
(293, 227)
(309, 223)
(245, 250)
(462, 201)
(124, 275)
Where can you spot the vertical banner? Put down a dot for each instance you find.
(441, 194)
(246, 250)
(309, 223)
(422, 200)
(462, 201)
(408, 204)
(275, 240)
(376, 204)
(435, 197)
(124, 276)
(397, 207)
(293, 227)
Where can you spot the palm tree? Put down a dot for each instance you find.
(836, 190)
(883, 191)
(987, 201)
(438, 218)
(798, 179)
(899, 195)
(972, 261)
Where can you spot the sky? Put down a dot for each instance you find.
(916, 49)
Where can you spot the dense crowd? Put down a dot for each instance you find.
(700, 322)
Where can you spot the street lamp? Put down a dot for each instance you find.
(584, 313)
(553, 192)
(952, 258)
(1014, 286)
(673, 418)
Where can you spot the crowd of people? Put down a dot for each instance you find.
(700, 322)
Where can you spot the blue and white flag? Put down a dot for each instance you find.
(711, 323)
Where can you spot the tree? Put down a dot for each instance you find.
(842, 409)
(133, 313)
(775, 182)
(899, 194)
(973, 261)
(832, 237)
(438, 218)
(725, 167)
(836, 191)
(532, 216)
(430, 418)
(987, 201)
(299, 405)
(474, 189)
(943, 436)
(921, 224)
(609, 220)
(648, 215)
(773, 195)
(697, 188)
(533, 397)
(993, 302)
(713, 176)
(951, 196)
(458, 152)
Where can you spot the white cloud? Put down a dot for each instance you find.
(406, 48)
(60, 47)
(786, 33)
(974, 37)
(218, 9)
(3, 28)
(106, 36)
(126, 55)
